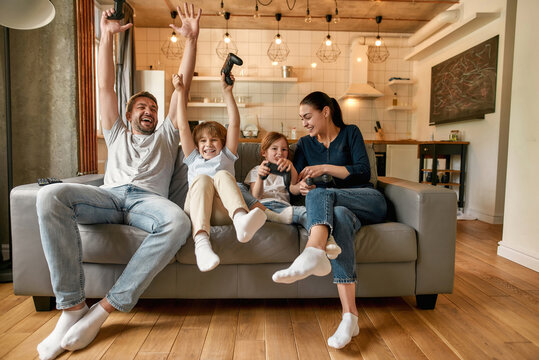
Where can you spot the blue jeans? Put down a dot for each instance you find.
(249, 199)
(299, 212)
(60, 207)
(344, 211)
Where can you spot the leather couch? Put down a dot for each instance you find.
(413, 253)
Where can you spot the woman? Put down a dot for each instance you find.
(338, 208)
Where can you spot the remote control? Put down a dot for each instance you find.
(274, 169)
(53, 180)
(322, 179)
(231, 59)
(42, 181)
(118, 10)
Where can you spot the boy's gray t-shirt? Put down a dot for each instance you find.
(146, 161)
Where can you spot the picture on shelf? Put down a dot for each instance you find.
(464, 86)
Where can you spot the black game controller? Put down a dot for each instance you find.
(322, 179)
(274, 169)
(118, 10)
(231, 59)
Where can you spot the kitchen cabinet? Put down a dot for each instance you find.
(394, 85)
(448, 177)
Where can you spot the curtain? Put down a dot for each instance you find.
(124, 64)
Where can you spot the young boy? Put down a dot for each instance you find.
(214, 196)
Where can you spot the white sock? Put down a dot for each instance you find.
(284, 217)
(346, 330)
(311, 261)
(50, 348)
(85, 330)
(246, 224)
(206, 259)
(332, 249)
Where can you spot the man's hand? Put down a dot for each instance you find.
(190, 22)
(227, 88)
(112, 26)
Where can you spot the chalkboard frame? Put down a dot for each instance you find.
(464, 86)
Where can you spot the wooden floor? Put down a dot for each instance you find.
(492, 313)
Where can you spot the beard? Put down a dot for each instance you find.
(137, 125)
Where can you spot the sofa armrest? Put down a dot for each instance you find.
(30, 270)
(432, 212)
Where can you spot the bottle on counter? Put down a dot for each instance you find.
(293, 133)
(395, 101)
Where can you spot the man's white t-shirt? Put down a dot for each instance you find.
(274, 187)
(146, 161)
(197, 165)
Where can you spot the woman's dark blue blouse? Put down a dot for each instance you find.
(347, 149)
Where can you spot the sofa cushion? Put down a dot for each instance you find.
(386, 242)
(273, 243)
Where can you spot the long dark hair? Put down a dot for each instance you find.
(319, 100)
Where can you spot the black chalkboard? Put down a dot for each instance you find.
(464, 86)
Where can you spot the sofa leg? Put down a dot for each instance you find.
(426, 302)
(44, 303)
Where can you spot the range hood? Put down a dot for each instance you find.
(358, 86)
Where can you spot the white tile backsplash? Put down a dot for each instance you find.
(274, 103)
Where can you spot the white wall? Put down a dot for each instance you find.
(521, 224)
(486, 160)
(276, 103)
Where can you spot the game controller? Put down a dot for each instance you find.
(274, 169)
(322, 179)
(231, 59)
(118, 10)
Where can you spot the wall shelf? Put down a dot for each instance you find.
(400, 82)
(248, 79)
(450, 34)
(211, 105)
(400, 107)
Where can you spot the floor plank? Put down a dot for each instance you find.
(493, 312)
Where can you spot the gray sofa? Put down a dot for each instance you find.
(413, 253)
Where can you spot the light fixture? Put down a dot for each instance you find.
(278, 50)
(26, 14)
(308, 17)
(221, 11)
(172, 48)
(328, 51)
(226, 45)
(336, 18)
(379, 52)
(256, 14)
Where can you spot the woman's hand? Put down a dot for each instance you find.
(284, 165)
(112, 26)
(190, 22)
(304, 188)
(312, 172)
(263, 169)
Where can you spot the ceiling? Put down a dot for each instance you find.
(398, 16)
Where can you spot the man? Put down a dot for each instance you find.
(135, 191)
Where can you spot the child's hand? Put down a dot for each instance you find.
(227, 87)
(284, 164)
(263, 169)
(177, 81)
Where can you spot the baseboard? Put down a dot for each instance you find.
(491, 219)
(530, 261)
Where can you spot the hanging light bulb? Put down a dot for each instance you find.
(328, 40)
(256, 15)
(278, 50)
(328, 51)
(378, 41)
(379, 52)
(172, 49)
(226, 45)
(173, 38)
(308, 17)
(221, 11)
(336, 18)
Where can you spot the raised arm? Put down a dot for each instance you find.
(186, 138)
(108, 101)
(189, 29)
(233, 131)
